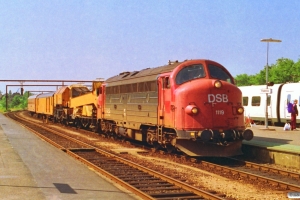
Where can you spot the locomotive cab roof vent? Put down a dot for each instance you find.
(146, 68)
(172, 62)
(125, 74)
(134, 73)
(122, 73)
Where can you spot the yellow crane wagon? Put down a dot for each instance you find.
(77, 105)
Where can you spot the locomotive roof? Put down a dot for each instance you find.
(143, 75)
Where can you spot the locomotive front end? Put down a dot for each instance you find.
(211, 121)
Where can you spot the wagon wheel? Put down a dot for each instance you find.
(94, 130)
(171, 148)
(103, 128)
(156, 146)
(76, 123)
(97, 127)
(112, 135)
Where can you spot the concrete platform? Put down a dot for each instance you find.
(30, 168)
(274, 145)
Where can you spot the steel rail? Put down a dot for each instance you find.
(136, 191)
(281, 184)
(270, 169)
(69, 152)
(110, 176)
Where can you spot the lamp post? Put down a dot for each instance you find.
(267, 75)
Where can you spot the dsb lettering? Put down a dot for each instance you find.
(218, 98)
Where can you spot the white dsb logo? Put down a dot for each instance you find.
(217, 98)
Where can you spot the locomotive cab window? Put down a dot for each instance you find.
(189, 73)
(166, 83)
(219, 73)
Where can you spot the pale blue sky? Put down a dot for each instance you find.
(85, 40)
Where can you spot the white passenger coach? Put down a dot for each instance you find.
(279, 95)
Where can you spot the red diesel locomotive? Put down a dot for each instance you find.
(192, 106)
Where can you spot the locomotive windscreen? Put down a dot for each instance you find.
(219, 73)
(190, 73)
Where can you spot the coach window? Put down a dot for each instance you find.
(245, 101)
(255, 101)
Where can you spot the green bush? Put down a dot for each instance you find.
(14, 102)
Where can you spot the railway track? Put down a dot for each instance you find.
(276, 178)
(140, 180)
(253, 173)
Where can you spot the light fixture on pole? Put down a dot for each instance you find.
(267, 75)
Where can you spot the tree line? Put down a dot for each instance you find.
(15, 101)
(283, 71)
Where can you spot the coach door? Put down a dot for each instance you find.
(269, 106)
(166, 113)
(287, 100)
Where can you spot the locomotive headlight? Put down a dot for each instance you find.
(192, 110)
(218, 84)
(240, 110)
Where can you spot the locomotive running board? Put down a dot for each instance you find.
(193, 148)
